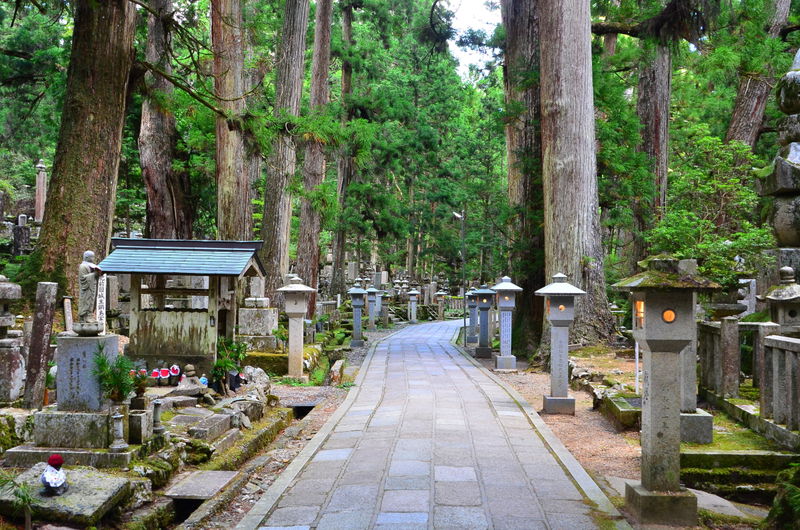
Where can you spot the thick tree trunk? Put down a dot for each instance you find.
(282, 162)
(652, 107)
(170, 211)
(571, 220)
(610, 40)
(82, 191)
(314, 164)
(253, 77)
(754, 88)
(345, 167)
(523, 146)
(234, 213)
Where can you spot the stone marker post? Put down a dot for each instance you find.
(21, 234)
(506, 294)
(12, 365)
(560, 310)
(438, 297)
(485, 298)
(40, 345)
(295, 297)
(67, 313)
(357, 296)
(372, 302)
(41, 191)
(472, 304)
(413, 297)
(100, 304)
(663, 318)
(697, 425)
(77, 387)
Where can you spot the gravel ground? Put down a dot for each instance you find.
(293, 439)
(588, 435)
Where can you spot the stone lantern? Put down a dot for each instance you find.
(12, 364)
(664, 323)
(358, 297)
(372, 305)
(784, 302)
(506, 295)
(413, 297)
(472, 305)
(485, 297)
(560, 310)
(295, 296)
(438, 297)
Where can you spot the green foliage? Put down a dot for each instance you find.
(114, 375)
(785, 511)
(21, 493)
(230, 355)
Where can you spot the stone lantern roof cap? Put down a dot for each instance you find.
(356, 289)
(506, 285)
(665, 273)
(9, 290)
(788, 290)
(484, 290)
(413, 291)
(372, 290)
(440, 293)
(560, 287)
(296, 286)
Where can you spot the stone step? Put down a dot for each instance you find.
(727, 475)
(743, 458)
(211, 427)
(179, 402)
(28, 455)
(226, 441)
(201, 485)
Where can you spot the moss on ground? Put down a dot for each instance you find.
(259, 436)
(732, 436)
(595, 350)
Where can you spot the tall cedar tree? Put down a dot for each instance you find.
(521, 85)
(282, 162)
(82, 191)
(571, 225)
(314, 163)
(346, 165)
(234, 213)
(170, 211)
(754, 87)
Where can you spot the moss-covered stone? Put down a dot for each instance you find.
(785, 512)
(198, 451)
(263, 432)
(272, 363)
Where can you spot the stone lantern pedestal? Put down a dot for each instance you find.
(413, 296)
(472, 305)
(560, 310)
(663, 322)
(357, 296)
(296, 306)
(485, 296)
(372, 306)
(506, 295)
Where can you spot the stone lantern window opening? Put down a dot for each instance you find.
(638, 314)
(668, 316)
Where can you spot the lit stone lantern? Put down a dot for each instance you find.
(438, 297)
(784, 302)
(358, 297)
(506, 294)
(413, 297)
(295, 296)
(472, 305)
(663, 324)
(485, 297)
(372, 305)
(560, 310)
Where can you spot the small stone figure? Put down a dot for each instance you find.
(88, 274)
(189, 376)
(54, 479)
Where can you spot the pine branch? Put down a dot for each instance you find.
(183, 86)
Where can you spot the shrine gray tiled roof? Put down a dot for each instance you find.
(184, 257)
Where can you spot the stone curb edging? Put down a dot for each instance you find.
(572, 466)
(252, 520)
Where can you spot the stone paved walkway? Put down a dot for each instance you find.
(429, 441)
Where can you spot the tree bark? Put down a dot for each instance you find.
(170, 212)
(314, 164)
(345, 166)
(520, 69)
(754, 88)
(282, 162)
(571, 220)
(234, 213)
(82, 191)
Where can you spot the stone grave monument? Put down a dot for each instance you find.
(12, 363)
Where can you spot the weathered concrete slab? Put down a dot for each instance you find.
(28, 455)
(201, 485)
(211, 428)
(90, 496)
(55, 428)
